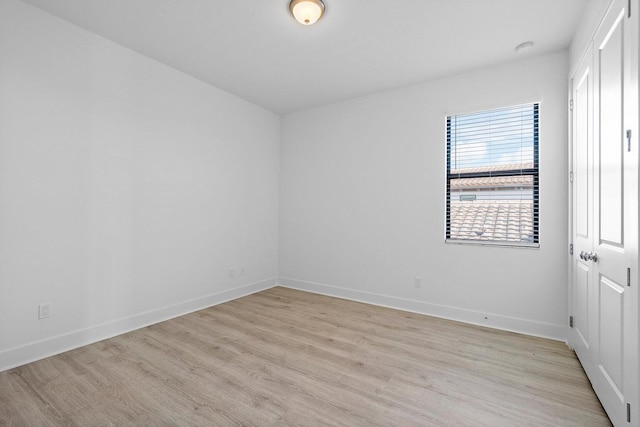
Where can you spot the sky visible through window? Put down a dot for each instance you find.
(493, 138)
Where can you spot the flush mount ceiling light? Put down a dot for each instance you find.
(307, 12)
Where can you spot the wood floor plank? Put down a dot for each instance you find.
(286, 357)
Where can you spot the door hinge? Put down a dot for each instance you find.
(628, 139)
(571, 100)
(629, 277)
(570, 248)
(571, 177)
(628, 412)
(571, 321)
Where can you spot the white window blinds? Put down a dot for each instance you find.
(492, 176)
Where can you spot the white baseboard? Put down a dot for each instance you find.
(512, 324)
(31, 352)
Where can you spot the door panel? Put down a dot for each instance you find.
(611, 320)
(581, 304)
(610, 161)
(583, 129)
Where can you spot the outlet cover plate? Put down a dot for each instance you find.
(44, 310)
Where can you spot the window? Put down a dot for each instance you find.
(492, 176)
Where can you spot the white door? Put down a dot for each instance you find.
(583, 326)
(605, 216)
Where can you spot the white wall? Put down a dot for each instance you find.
(362, 202)
(127, 189)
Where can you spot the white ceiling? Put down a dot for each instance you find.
(256, 50)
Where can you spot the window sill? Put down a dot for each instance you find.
(516, 245)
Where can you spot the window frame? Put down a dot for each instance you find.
(533, 171)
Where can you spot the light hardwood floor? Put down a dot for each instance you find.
(285, 357)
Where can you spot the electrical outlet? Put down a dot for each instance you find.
(418, 282)
(232, 273)
(44, 310)
(242, 270)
